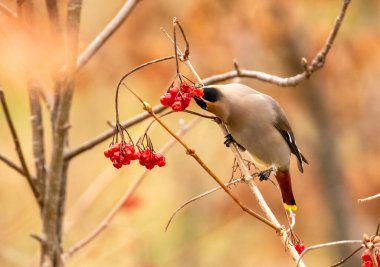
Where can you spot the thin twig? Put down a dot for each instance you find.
(349, 256)
(131, 72)
(369, 198)
(316, 64)
(186, 53)
(336, 243)
(199, 114)
(196, 198)
(7, 11)
(12, 165)
(107, 32)
(31, 180)
(128, 194)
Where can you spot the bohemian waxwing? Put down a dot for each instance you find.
(257, 123)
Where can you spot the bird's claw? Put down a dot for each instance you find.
(228, 140)
(264, 175)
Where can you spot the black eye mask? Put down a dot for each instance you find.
(211, 94)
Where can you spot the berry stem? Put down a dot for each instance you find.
(129, 73)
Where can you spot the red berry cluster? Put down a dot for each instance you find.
(179, 97)
(121, 154)
(299, 247)
(367, 260)
(149, 159)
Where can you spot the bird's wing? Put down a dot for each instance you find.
(281, 123)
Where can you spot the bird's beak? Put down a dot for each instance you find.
(201, 102)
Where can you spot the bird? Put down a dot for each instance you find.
(257, 123)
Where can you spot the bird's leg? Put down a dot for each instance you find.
(229, 139)
(264, 175)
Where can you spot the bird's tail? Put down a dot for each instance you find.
(283, 179)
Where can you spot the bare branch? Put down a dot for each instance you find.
(336, 243)
(196, 198)
(52, 8)
(107, 32)
(56, 177)
(369, 198)
(37, 134)
(31, 180)
(316, 64)
(128, 194)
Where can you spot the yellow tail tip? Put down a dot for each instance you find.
(290, 207)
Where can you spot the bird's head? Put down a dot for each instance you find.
(211, 99)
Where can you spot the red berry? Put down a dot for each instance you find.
(185, 88)
(367, 264)
(174, 91)
(114, 148)
(124, 160)
(366, 255)
(135, 156)
(299, 247)
(177, 106)
(159, 159)
(149, 166)
(117, 164)
(186, 98)
(166, 99)
(107, 153)
(145, 155)
(129, 151)
(162, 162)
(198, 92)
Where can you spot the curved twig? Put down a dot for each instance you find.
(330, 244)
(196, 198)
(129, 73)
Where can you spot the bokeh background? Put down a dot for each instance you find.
(335, 117)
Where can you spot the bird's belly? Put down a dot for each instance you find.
(269, 147)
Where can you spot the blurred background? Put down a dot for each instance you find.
(334, 115)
